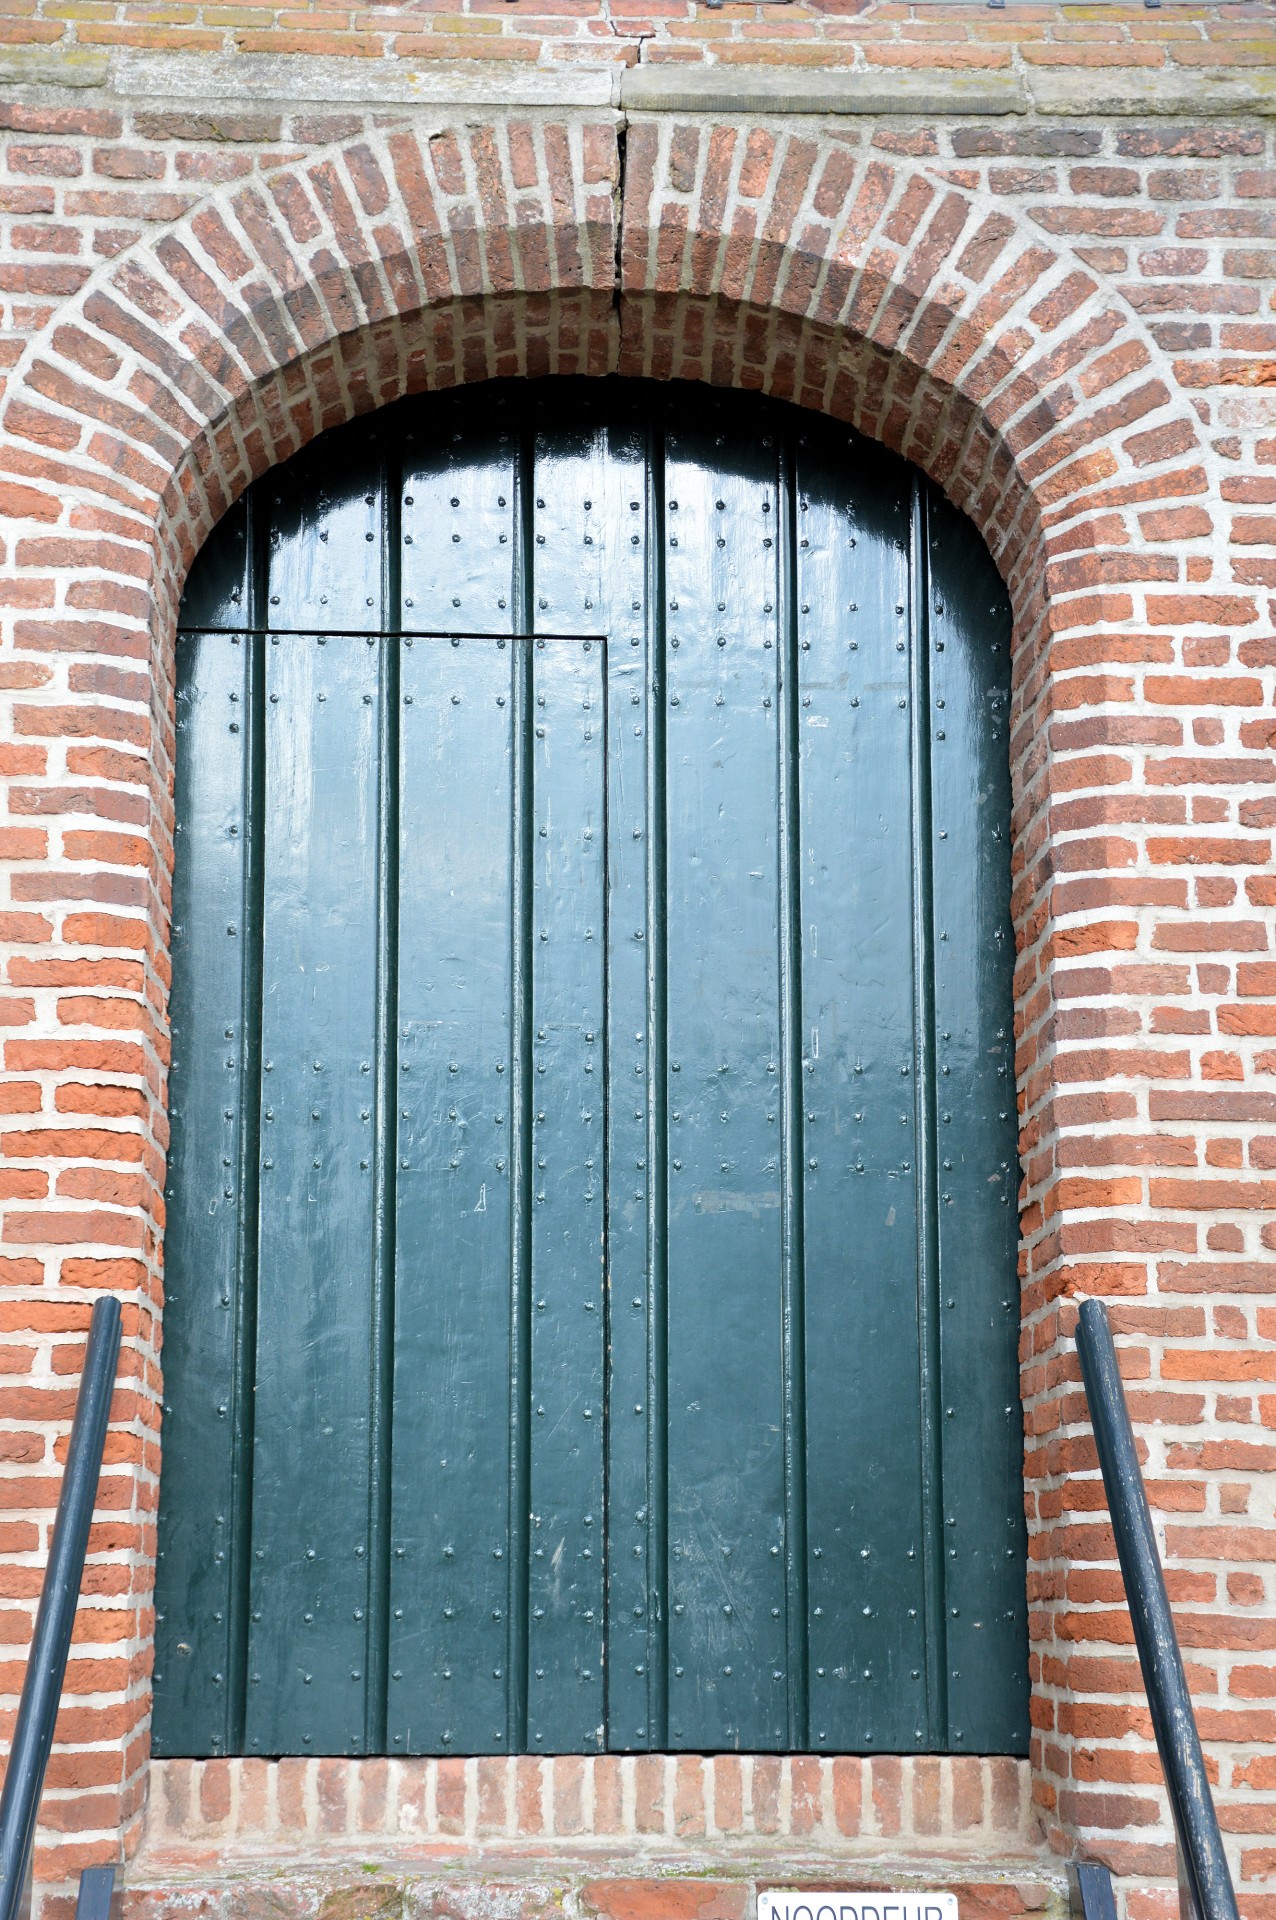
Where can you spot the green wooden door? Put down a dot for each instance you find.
(591, 1311)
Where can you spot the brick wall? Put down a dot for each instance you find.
(1064, 315)
(656, 1797)
(1183, 42)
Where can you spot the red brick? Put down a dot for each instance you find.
(1143, 738)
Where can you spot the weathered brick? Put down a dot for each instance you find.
(1066, 324)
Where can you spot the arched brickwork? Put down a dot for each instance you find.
(877, 290)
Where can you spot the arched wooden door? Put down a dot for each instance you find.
(591, 1260)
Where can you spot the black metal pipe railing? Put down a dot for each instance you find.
(1203, 1871)
(55, 1617)
(1093, 1895)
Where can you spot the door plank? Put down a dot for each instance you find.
(985, 1536)
(198, 1683)
(867, 1647)
(726, 1592)
(591, 508)
(324, 537)
(460, 549)
(320, 538)
(450, 1577)
(567, 1537)
(311, 1475)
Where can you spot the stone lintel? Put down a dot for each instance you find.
(1138, 91)
(787, 90)
(298, 78)
(769, 92)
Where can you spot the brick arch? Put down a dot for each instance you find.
(863, 285)
(872, 289)
(903, 301)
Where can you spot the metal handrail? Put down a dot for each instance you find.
(55, 1617)
(1203, 1870)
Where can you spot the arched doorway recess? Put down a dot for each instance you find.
(591, 1312)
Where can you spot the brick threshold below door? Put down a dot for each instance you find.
(616, 1838)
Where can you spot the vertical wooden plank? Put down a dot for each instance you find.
(196, 1693)
(793, 1129)
(453, 1607)
(867, 1647)
(314, 1364)
(522, 1121)
(315, 1367)
(325, 536)
(219, 588)
(590, 547)
(726, 1490)
(210, 1279)
(925, 1072)
(567, 1540)
(977, 1155)
(460, 541)
(653, 1301)
(449, 1568)
(383, 1250)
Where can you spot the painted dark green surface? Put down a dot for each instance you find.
(591, 1262)
(726, 1374)
(865, 1412)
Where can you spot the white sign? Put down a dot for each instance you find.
(790, 1903)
